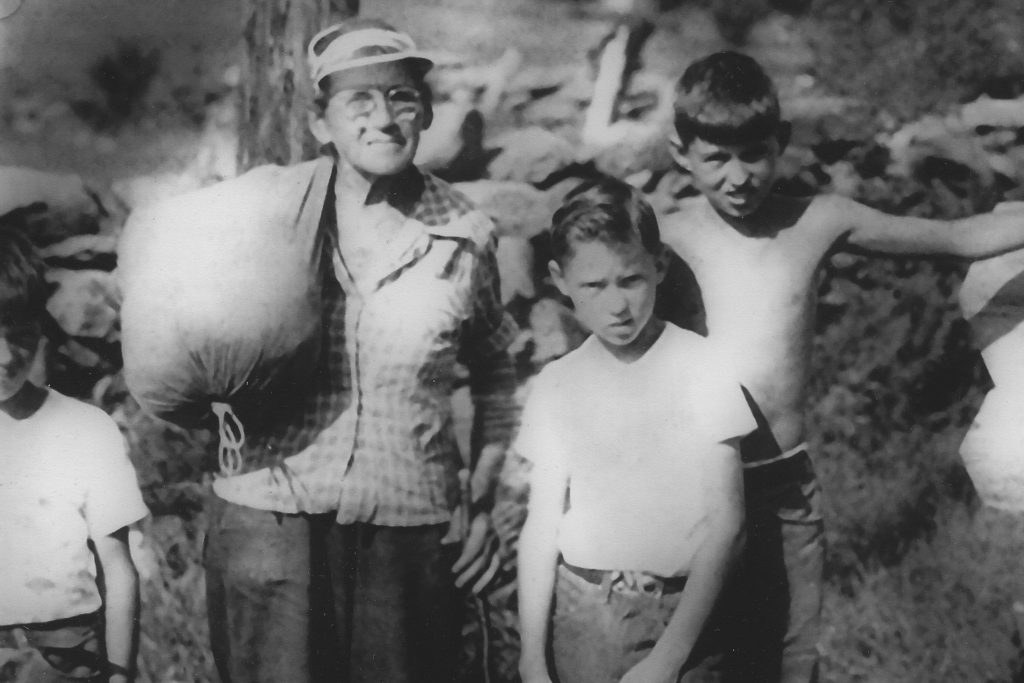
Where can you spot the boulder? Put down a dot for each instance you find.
(555, 331)
(986, 111)
(515, 266)
(82, 251)
(452, 146)
(85, 303)
(147, 189)
(516, 208)
(529, 155)
(48, 206)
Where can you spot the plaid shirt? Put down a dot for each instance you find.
(373, 438)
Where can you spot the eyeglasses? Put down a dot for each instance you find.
(404, 101)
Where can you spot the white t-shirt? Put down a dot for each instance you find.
(633, 438)
(65, 477)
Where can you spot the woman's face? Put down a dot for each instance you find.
(373, 118)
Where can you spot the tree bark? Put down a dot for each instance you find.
(276, 93)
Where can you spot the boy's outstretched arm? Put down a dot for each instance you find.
(120, 603)
(712, 565)
(538, 562)
(979, 236)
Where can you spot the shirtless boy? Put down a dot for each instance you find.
(756, 256)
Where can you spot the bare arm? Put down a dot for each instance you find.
(538, 561)
(712, 565)
(120, 603)
(980, 236)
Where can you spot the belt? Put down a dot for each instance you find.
(789, 470)
(642, 582)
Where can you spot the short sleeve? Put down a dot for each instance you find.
(724, 412)
(538, 438)
(490, 328)
(113, 498)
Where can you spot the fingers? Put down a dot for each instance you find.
(488, 576)
(475, 544)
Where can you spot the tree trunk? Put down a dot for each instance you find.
(276, 93)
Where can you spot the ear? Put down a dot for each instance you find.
(678, 151)
(783, 134)
(558, 277)
(661, 264)
(428, 115)
(318, 127)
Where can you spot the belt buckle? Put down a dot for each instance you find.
(638, 582)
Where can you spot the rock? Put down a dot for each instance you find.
(515, 207)
(637, 146)
(48, 206)
(85, 303)
(515, 266)
(529, 155)
(552, 112)
(453, 145)
(82, 251)
(555, 331)
(146, 189)
(920, 143)
(986, 111)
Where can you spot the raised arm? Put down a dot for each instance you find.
(120, 603)
(980, 236)
(538, 562)
(712, 565)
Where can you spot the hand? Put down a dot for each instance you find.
(651, 669)
(479, 560)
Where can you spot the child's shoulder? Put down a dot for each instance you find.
(77, 418)
(687, 348)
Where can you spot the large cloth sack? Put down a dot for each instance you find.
(222, 295)
(992, 300)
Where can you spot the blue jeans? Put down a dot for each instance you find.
(53, 652)
(780, 593)
(599, 632)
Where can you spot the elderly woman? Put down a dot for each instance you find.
(411, 292)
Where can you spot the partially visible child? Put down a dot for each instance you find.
(757, 256)
(65, 484)
(635, 515)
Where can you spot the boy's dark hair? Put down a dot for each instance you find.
(23, 288)
(324, 90)
(726, 98)
(603, 209)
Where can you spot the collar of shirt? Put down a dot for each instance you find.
(429, 214)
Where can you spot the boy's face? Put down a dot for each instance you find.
(18, 345)
(612, 286)
(735, 179)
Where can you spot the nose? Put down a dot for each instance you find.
(616, 301)
(736, 173)
(383, 114)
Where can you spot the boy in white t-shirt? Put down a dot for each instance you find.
(65, 483)
(635, 516)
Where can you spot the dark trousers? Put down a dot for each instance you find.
(780, 591)
(264, 608)
(397, 613)
(53, 652)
